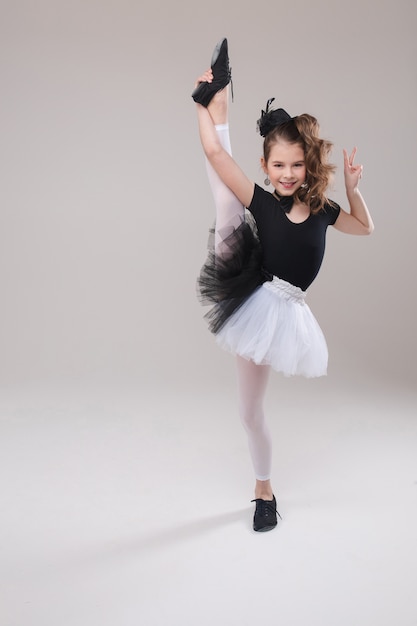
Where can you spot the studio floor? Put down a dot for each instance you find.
(126, 507)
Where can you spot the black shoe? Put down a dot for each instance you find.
(222, 75)
(265, 517)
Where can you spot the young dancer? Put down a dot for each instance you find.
(261, 263)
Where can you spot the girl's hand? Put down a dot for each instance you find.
(207, 77)
(353, 173)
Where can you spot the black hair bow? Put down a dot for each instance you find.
(270, 118)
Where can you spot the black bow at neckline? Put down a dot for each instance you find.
(285, 202)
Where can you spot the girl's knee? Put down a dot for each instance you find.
(252, 418)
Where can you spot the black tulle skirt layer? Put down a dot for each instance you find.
(228, 278)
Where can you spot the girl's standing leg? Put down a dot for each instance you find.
(252, 382)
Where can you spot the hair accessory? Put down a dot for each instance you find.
(267, 181)
(271, 118)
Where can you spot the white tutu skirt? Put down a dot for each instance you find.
(274, 326)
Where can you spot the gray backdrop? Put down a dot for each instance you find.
(104, 201)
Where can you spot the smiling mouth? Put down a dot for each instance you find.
(287, 185)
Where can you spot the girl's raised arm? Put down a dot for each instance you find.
(358, 221)
(221, 161)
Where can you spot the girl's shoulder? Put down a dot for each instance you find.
(262, 201)
(260, 197)
(330, 211)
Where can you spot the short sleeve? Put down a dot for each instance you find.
(332, 210)
(256, 202)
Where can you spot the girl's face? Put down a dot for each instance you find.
(285, 167)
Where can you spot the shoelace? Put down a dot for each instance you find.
(265, 507)
(231, 83)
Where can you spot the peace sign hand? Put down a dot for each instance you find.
(353, 173)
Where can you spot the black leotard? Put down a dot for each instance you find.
(293, 252)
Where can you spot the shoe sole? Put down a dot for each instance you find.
(265, 529)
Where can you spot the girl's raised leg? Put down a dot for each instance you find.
(229, 210)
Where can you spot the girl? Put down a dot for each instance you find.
(260, 264)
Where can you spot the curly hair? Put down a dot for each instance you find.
(304, 131)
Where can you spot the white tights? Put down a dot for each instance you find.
(252, 378)
(252, 381)
(229, 211)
